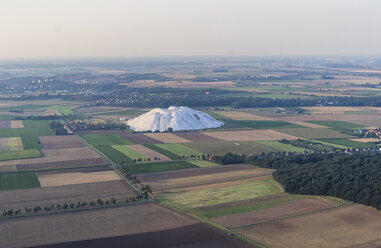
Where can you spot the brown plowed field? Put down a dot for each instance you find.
(197, 235)
(17, 124)
(57, 142)
(69, 193)
(61, 164)
(5, 124)
(350, 226)
(69, 178)
(157, 176)
(278, 212)
(248, 135)
(167, 138)
(183, 182)
(140, 138)
(4, 144)
(149, 153)
(195, 137)
(87, 225)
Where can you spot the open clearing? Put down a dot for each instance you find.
(129, 152)
(218, 194)
(202, 163)
(69, 178)
(195, 136)
(149, 153)
(238, 115)
(57, 142)
(350, 226)
(179, 149)
(45, 196)
(167, 137)
(315, 133)
(252, 135)
(272, 213)
(20, 180)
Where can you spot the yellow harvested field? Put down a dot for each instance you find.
(167, 138)
(238, 115)
(332, 109)
(15, 144)
(49, 112)
(60, 179)
(307, 124)
(364, 140)
(149, 153)
(17, 124)
(248, 135)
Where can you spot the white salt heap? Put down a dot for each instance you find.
(177, 118)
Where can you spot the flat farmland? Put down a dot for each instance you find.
(23, 180)
(248, 135)
(113, 154)
(157, 167)
(262, 125)
(24, 154)
(166, 137)
(129, 152)
(195, 136)
(338, 124)
(57, 142)
(105, 139)
(179, 149)
(349, 226)
(69, 178)
(149, 153)
(348, 143)
(223, 147)
(17, 124)
(280, 146)
(140, 138)
(196, 235)
(46, 196)
(202, 163)
(239, 115)
(272, 213)
(4, 144)
(307, 124)
(15, 144)
(315, 133)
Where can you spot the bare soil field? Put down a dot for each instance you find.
(63, 141)
(238, 115)
(195, 137)
(149, 153)
(4, 144)
(61, 164)
(184, 182)
(248, 135)
(197, 235)
(5, 124)
(46, 196)
(164, 175)
(167, 137)
(350, 226)
(17, 124)
(69, 178)
(278, 212)
(92, 224)
(139, 138)
(315, 133)
(364, 140)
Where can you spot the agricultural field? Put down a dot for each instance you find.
(280, 146)
(12, 181)
(248, 135)
(239, 115)
(59, 142)
(157, 167)
(338, 124)
(105, 139)
(315, 133)
(153, 155)
(113, 154)
(180, 150)
(167, 138)
(348, 143)
(130, 153)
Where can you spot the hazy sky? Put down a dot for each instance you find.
(118, 28)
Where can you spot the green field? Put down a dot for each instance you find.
(338, 124)
(345, 143)
(202, 163)
(165, 152)
(123, 112)
(64, 109)
(112, 154)
(213, 196)
(30, 133)
(131, 153)
(180, 150)
(105, 139)
(280, 146)
(18, 180)
(315, 133)
(247, 205)
(10, 155)
(156, 167)
(264, 124)
(223, 147)
(15, 144)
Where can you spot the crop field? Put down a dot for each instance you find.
(217, 195)
(307, 124)
(315, 133)
(113, 154)
(149, 153)
(248, 135)
(105, 139)
(166, 137)
(223, 147)
(348, 143)
(17, 124)
(45, 196)
(338, 124)
(349, 226)
(4, 144)
(129, 152)
(165, 152)
(202, 163)
(263, 124)
(19, 180)
(69, 178)
(15, 144)
(139, 138)
(278, 212)
(195, 136)
(280, 146)
(180, 150)
(157, 167)
(239, 115)
(23, 154)
(59, 142)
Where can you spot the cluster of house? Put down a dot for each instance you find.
(368, 133)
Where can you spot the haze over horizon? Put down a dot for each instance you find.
(99, 28)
